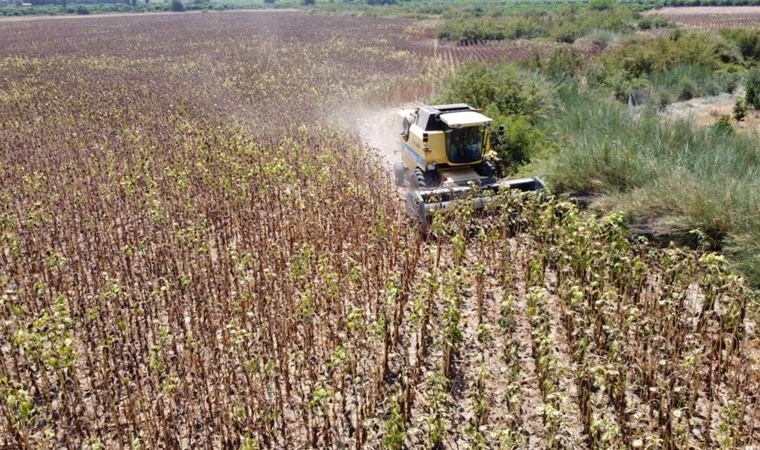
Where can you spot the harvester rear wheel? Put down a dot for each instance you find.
(405, 125)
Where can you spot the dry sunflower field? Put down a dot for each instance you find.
(197, 251)
(713, 17)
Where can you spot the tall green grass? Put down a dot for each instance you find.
(689, 81)
(669, 178)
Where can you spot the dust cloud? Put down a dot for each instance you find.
(378, 129)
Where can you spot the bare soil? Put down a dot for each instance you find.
(708, 110)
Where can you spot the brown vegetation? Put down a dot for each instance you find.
(192, 255)
(713, 17)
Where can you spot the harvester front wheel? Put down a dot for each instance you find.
(486, 169)
(422, 179)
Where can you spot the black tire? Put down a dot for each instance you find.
(431, 179)
(424, 179)
(420, 178)
(405, 125)
(486, 169)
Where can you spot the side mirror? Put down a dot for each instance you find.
(424, 137)
(501, 130)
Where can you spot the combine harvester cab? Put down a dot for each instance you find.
(446, 156)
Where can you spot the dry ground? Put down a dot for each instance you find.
(708, 110)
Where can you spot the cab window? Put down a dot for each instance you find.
(465, 145)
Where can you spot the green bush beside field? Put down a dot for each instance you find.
(513, 97)
(669, 178)
(566, 25)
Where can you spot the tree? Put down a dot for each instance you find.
(309, 2)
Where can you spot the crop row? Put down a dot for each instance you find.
(193, 256)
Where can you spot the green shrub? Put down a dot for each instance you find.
(494, 29)
(521, 141)
(647, 56)
(613, 80)
(566, 26)
(564, 63)
(740, 109)
(567, 33)
(747, 40)
(503, 89)
(752, 86)
(512, 97)
(689, 81)
(723, 125)
(601, 5)
(686, 66)
(652, 21)
(659, 100)
(176, 6)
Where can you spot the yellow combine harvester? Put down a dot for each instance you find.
(445, 154)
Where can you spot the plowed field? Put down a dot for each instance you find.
(713, 17)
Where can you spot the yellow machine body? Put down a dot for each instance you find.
(446, 156)
(415, 153)
(425, 136)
